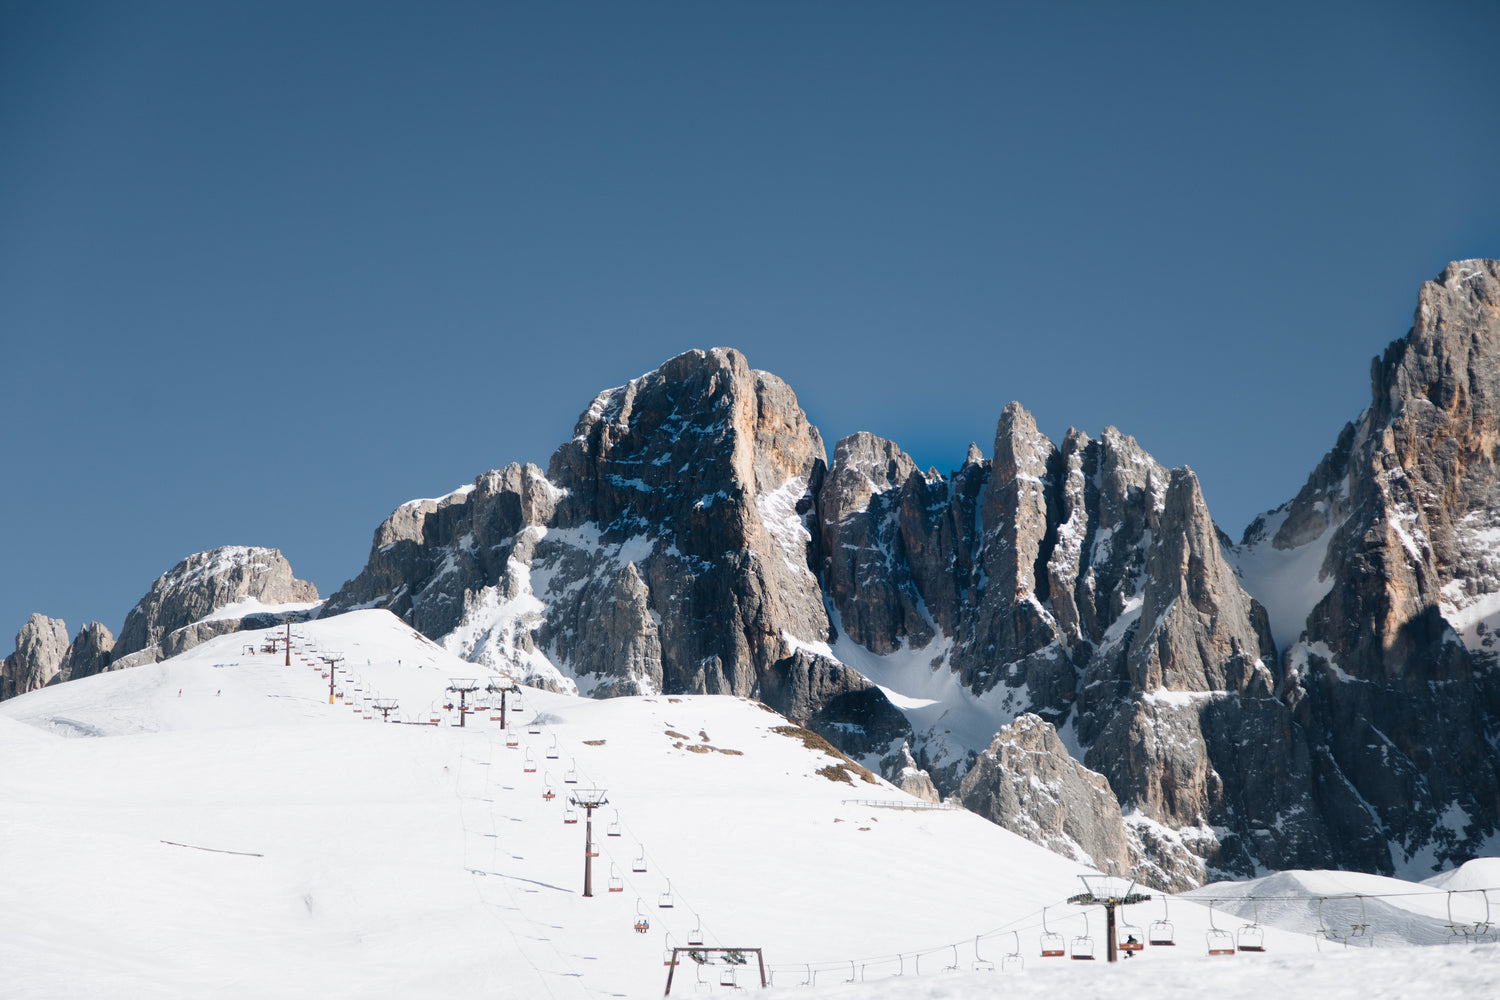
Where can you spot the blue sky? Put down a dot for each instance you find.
(267, 270)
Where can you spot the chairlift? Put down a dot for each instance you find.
(664, 901)
(666, 955)
(1052, 942)
(728, 978)
(639, 864)
(1359, 930)
(981, 964)
(528, 765)
(954, 966)
(552, 750)
(1220, 942)
(614, 826)
(642, 925)
(1483, 928)
(1252, 937)
(571, 778)
(534, 728)
(1324, 931)
(695, 936)
(548, 794)
(1162, 934)
(1130, 937)
(616, 884)
(1082, 948)
(1012, 959)
(511, 739)
(570, 815)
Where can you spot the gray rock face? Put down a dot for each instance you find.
(668, 547)
(1028, 783)
(202, 584)
(41, 645)
(1395, 665)
(90, 653)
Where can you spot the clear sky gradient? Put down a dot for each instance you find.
(268, 270)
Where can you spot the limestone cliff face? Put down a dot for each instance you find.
(669, 546)
(204, 583)
(91, 652)
(41, 645)
(1027, 782)
(1395, 666)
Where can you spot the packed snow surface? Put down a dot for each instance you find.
(212, 826)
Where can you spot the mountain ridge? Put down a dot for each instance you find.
(693, 537)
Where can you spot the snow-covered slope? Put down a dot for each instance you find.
(211, 826)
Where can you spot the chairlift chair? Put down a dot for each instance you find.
(639, 864)
(1359, 930)
(1324, 931)
(1012, 959)
(571, 777)
(548, 794)
(954, 966)
(552, 750)
(664, 901)
(1131, 938)
(570, 815)
(1052, 942)
(642, 925)
(534, 728)
(695, 936)
(1082, 948)
(1162, 934)
(981, 964)
(616, 884)
(728, 978)
(666, 955)
(1220, 942)
(1483, 928)
(614, 826)
(528, 765)
(511, 739)
(1252, 937)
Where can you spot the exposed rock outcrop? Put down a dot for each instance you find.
(91, 653)
(1028, 783)
(1392, 661)
(41, 645)
(204, 583)
(667, 547)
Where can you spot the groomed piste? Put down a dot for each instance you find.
(212, 825)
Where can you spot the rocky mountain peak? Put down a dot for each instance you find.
(205, 582)
(41, 645)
